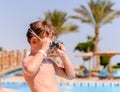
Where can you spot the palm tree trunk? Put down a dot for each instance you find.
(96, 47)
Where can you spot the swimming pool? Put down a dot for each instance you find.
(81, 86)
(70, 86)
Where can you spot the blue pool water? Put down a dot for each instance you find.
(70, 87)
(12, 73)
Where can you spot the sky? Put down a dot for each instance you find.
(16, 15)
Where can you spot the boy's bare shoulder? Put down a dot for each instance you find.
(27, 58)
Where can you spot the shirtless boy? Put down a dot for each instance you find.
(39, 72)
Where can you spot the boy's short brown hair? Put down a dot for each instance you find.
(41, 28)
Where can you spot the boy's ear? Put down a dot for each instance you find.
(33, 40)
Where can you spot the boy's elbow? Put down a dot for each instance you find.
(29, 71)
(70, 77)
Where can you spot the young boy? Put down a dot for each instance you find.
(39, 72)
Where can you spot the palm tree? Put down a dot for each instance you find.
(100, 12)
(1, 49)
(86, 47)
(104, 61)
(59, 20)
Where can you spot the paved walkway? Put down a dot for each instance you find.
(14, 79)
(6, 90)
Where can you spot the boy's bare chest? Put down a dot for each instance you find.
(47, 69)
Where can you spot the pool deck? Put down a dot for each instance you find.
(6, 90)
(20, 78)
(13, 79)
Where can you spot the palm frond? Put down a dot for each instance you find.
(85, 46)
(1, 49)
(100, 9)
(80, 18)
(89, 15)
(59, 20)
(83, 15)
(110, 17)
(81, 11)
(69, 28)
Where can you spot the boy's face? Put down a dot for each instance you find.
(50, 36)
(36, 41)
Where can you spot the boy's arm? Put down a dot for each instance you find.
(31, 64)
(68, 70)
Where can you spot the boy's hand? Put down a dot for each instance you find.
(45, 42)
(61, 50)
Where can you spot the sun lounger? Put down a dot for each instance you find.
(103, 74)
(84, 74)
(116, 73)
